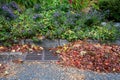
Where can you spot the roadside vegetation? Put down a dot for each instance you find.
(72, 20)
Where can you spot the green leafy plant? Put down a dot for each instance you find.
(94, 17)
(26, 3)
(24, 27)
(70, 35)
(5, 31)
(83, 5)
(100, 33)
(79, 4)
(21, 28)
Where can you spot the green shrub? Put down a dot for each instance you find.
(90, 19)
(45, 4)
(26, 3)
(79, 4)
(24, 26)
(83, 5)
(74, 25)
(51, 23)
(5, 32)
(69, 35)
(101, 33)
(21, 28)
(112, 7)
(5, 29)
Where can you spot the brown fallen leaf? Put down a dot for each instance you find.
(18, 61)
(1, 47)
(13, 50)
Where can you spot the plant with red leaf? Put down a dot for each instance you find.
(70, 1)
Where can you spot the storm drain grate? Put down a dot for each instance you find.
(34, 56)
(50, 55)
(43, 55)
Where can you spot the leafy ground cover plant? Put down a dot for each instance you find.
(83, 6)
(27, 4)
(23, 27)
(100, 33)
(5, 28)
(87, 56)
(23, 24)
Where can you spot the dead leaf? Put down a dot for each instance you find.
(18, 61)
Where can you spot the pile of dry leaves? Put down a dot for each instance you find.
(20, 48)
(87, 56)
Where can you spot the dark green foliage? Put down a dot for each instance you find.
(46, 4)
(24, 26)
(112, 7)
(37, 8)
(5, 31)
(79, 4)
(26, 3)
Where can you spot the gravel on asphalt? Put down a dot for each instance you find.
(35, 70)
